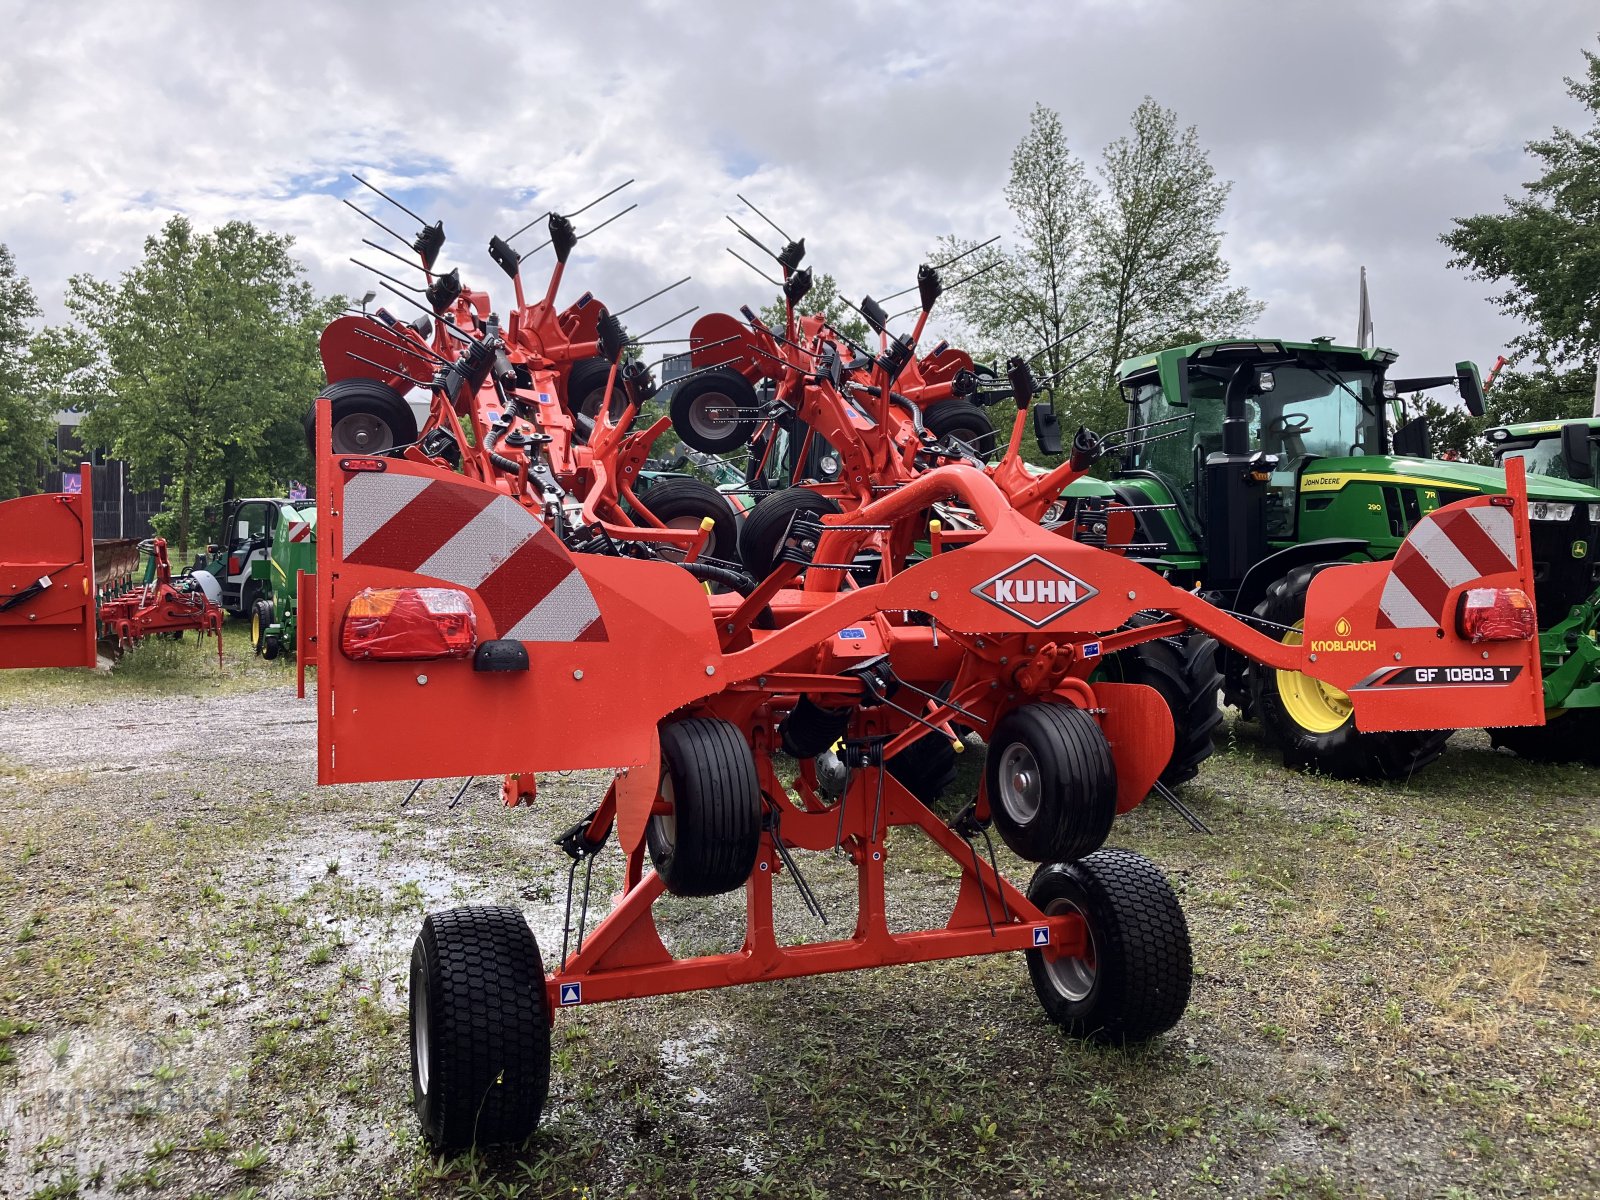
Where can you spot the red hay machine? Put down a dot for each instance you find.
(47, 585)
(166, 605)
(509, 589)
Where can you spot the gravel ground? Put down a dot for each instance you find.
(203, 970)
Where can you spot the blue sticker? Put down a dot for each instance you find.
(853, 634)
(545, 398)
(1091, 649)
(1041, 937)
(491, 416)
(572, 993)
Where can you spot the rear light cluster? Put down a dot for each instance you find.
(409, 624)
(1496, 615)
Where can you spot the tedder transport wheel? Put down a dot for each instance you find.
(480, 1028)
(586, 388)
(261, 616)
(695, 414)
(964, 421)
(1186, 675)
(683, 503)
(369, 417)
(766, 523)
(1134, 982)
(1051, 782)
(1312, 723)
(1569, 736)
(708, 843)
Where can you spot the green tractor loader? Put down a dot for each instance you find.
(1278, 459)
(275, 576)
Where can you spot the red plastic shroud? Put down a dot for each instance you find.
(48, 538)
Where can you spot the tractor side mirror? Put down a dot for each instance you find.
(1046, 429)
(1470, 384)
(1414, 439)
(1576, 450)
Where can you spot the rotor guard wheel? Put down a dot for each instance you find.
(1134, 980)
(1565, 737)
(261, 616)
(695, 417)
(1312, 723)
(964, 421)
(369, 417)
(586, 390)
(1186, 675)
(766, 524)
(1051, 782)
(480, 1028)
(709, 841)
(684, 503)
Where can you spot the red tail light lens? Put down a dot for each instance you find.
(1496, 615)
(235, 564)
(409, 624)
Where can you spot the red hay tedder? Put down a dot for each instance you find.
(510, 590)
(47, 585)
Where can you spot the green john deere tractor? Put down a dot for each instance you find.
(1273, 460)
(275, 579)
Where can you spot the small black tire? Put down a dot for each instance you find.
(693, 400)
(766, 524)
(1572, 735)
(709, 843)
(926, 767)
(681, 503)
(480, 1028)
(368, 417)
(586, 389)
(1335, 748)
(262, 615)
(964, 421)
(1051, 782)
(1186, 675)
(273, 648)
(1136, 981)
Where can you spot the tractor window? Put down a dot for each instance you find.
(1313, 413)
(254, 520)
(1542, 457)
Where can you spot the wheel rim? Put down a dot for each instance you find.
(1072, 976)
(1020, 783)
(667, 823)
(701, 419)
(1311, 704)
(419, 1032)
(590, 407)
(673, 553)
(255, 628)
(361, 433)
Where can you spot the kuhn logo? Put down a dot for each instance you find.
(1035, 590)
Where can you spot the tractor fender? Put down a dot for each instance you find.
(1253, 587)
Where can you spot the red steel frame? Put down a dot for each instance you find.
(160, 606)
(47, 591)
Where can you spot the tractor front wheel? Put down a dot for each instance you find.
(1051, 782)
(480, 1028)
(1569, 736)
(707, 840)
(1186, 675)
(1313, 723)
(261, 617)
(1133, 979)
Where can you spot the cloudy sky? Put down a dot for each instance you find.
(1353, 133)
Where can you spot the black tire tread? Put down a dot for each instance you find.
(683, 497)
(1187, 677)
(926, 767)
(964, 419)
(765, 524)
(1069, 746)
(718, 817)
(737, 388)
(378, 394)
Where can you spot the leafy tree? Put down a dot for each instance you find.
(24, 416)
(208, 355)
(823, 298)
(1546, 246)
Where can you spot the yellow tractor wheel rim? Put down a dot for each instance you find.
(255, 629)
(1315, 706)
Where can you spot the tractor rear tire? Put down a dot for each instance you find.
(262, 615)
(926, 767)
(1565, 737)
(1051, 782)
(684, 503)
(369, 417)
(586, 388)
(768, 522)
(709, 842)
(1312, 724)
(964, 421)
(1136, 979)
(480, 1028)
(1186, 675)
(693, 400)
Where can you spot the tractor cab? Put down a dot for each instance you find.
(246, 537)
(1557, 449)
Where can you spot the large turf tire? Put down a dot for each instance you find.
(766, 523)
(368, 417)
(1136, 979)
(1565, 737)
(1332, 747)
(709, 843)
(480, 1028)
(1051, 782)
(586, 389)
(964, 421)
(1186, 675)
(261, 616)
(681, 503)
(692, 401)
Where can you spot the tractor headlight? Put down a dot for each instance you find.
(829, 466)
(1499, 435)
(1545, 510)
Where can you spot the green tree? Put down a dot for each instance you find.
(1546, 247)
(24, 416)
(823, 298)
(208, 354)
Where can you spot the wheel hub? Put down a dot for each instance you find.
(362, 433)
(1020, 783)
(1071, 975)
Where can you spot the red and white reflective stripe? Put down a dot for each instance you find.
(1444, 551)
(299, 531)
(477, 539)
